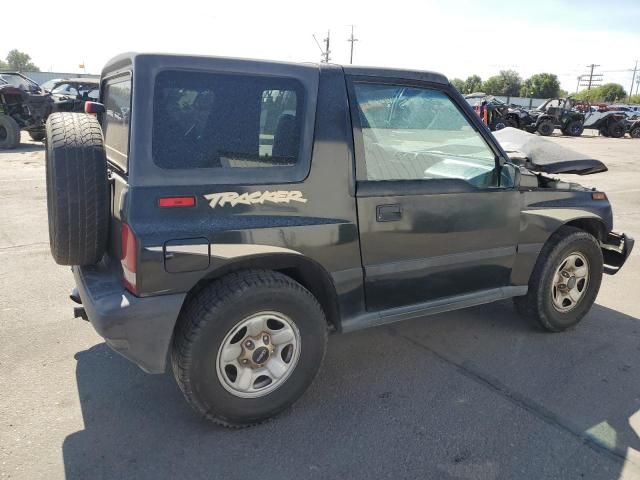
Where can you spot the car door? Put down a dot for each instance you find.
(438, 216)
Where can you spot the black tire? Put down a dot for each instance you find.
(574, 128)
(546, 128)
(9, 133)
(498, 124)
(635, 132)
(211, 315)
(537, 304)
(37, 135)
(617, 129)
(77, 189)
(604, 132)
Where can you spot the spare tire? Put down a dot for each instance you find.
(77, 189)
(9, 132)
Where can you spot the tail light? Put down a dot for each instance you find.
(129, 258)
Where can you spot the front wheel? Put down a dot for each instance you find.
(565, 281)
(635, 132)
(247, 347)
(574, 128)
(546, 128)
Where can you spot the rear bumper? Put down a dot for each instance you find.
(140, 329)
(615, 250)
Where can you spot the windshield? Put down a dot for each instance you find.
(77, 89)
(19, 81)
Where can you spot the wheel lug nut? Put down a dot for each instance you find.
(248, 344)
(265, 339)
(244, 360)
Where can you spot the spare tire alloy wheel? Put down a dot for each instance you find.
(258, 354)
(617, 130)
(546, 128)
(570, 282)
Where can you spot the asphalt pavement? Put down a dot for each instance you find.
(473, 394)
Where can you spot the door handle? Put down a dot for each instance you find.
(388, 213)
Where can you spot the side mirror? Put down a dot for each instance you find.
(93, 108)
(509, 176)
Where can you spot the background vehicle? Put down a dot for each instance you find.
(609, 124)
(633, 128)
(555, 112)
(494, 113)
(70, 94)
(23, 106)
(253, 206)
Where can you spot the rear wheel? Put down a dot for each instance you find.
(565, 281)
(617, 129)
(247, 347)
(635, 132)
(546, 128)
(9, 132)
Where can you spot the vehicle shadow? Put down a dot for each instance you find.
(477, 393)
(29, 147)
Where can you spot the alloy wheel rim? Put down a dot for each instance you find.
(258, 354)
(570, 282)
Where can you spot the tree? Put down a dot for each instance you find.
(458, 84)
(609, 92)
(3, 66)
(20, 61)
(612, 92)
(473, 83)
(541, 85)
(507, 83)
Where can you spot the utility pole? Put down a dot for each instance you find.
(633, 79)
(590, 79)
(579, 80)
(351, 40)
(326, 47)
(324, 52)
(593, 65)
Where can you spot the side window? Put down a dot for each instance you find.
(419, 134)
(226, 121)
(115, 121)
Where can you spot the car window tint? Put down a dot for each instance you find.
(115, 121)
(419, 134)
(209, 120)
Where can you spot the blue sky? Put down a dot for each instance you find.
(455, 37)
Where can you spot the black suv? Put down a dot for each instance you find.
(227, 214)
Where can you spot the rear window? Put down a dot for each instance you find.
(213, 120)
(115, 122)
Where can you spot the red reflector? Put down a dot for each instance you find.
(165, 202)
(599, 196)
(129, 257)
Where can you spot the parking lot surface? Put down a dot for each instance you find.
(473, 394)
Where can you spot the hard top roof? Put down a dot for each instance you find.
(125, 61)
